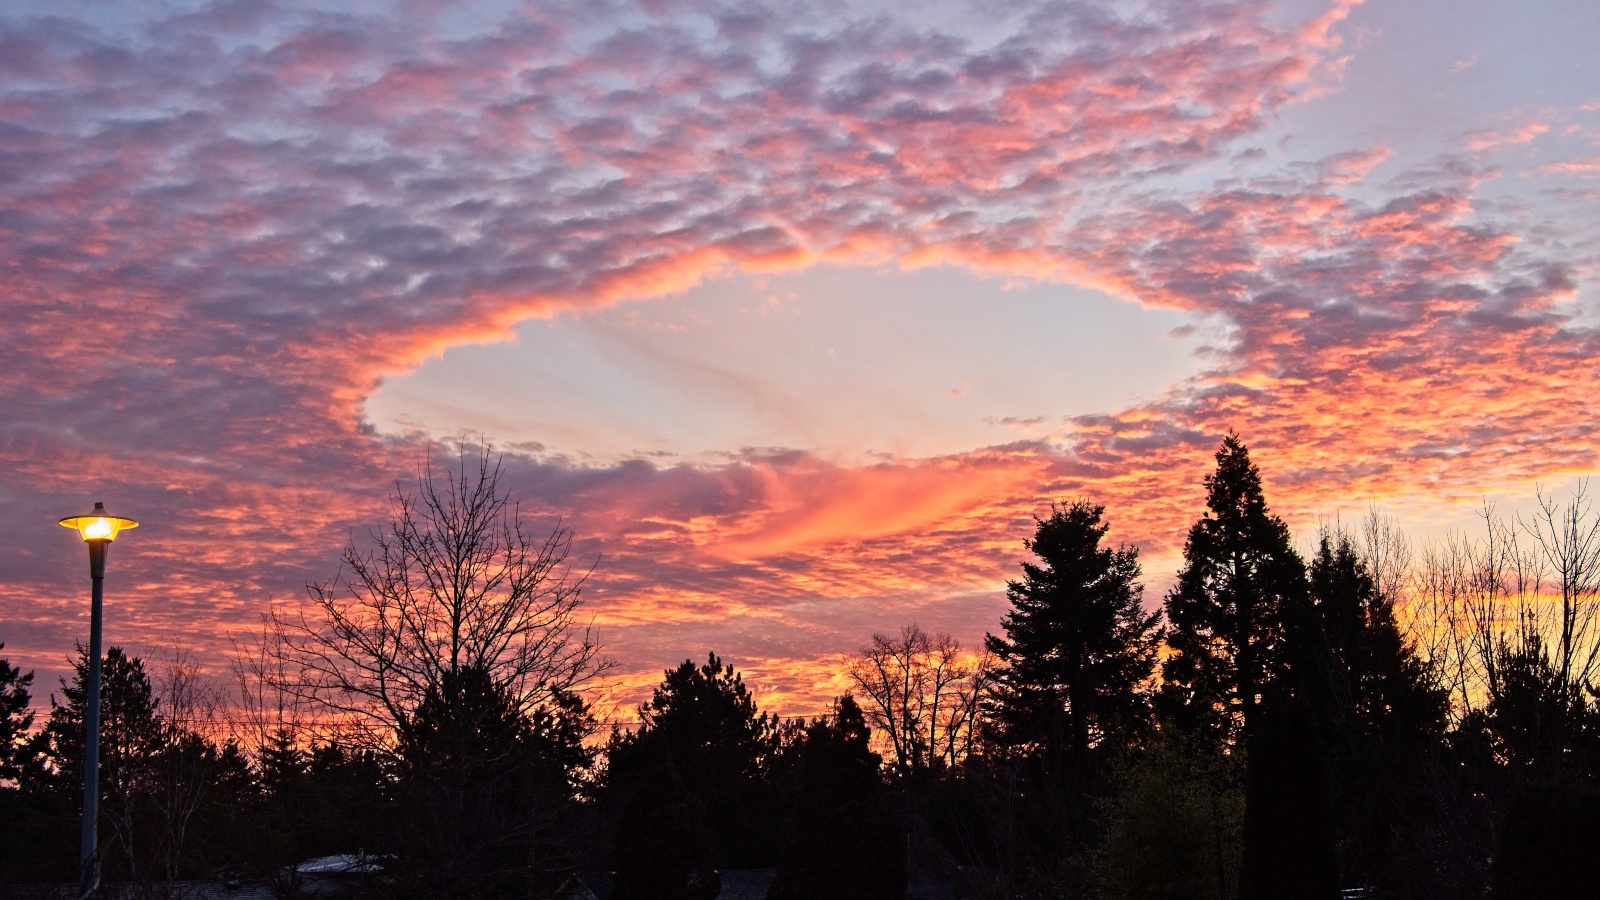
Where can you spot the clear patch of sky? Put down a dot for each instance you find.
(850, 363)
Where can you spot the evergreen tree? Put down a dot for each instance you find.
(840, 841)
(1290, 848)
(477, 800)
(662, 850)
(1377, 707)
(706, 721)
(1240, 583)
(1389, 692)
(1078, 643)
(16, 721)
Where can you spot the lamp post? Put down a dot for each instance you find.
(98, 529)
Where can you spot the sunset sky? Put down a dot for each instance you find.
(797, 313)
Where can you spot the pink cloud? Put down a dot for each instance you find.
(218, 235)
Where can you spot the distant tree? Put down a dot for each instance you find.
(705, 720)
(16, 722)
(662, 849)
(1389, 690)
(451, 643)
(1379, 708)
(1241, 579)
(922, 693)
(1078, 646)
(1289, 839)
(840, 840)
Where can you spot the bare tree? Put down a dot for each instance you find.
(268, 713)
(454, 583)
(1568, 537)
(923, 694)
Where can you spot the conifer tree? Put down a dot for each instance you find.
(1078, 643)
(1241, 582)
(16, 720)
(840, 841)
(705, 719)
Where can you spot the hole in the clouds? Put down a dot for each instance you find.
(847, 362)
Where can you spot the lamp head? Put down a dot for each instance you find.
(98, 525)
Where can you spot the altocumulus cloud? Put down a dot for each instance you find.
(222, 225)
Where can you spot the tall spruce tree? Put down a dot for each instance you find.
(1240, 584)
(1078, 644)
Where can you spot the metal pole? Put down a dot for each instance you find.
(88, 852)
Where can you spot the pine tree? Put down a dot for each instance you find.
(840, 841)
(1240, 583)
(16, 720)
(706, 720)
(662, 849)
(1078, 642)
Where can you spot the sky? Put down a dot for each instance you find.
(797, 313)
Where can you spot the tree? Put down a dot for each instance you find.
(662, 849)
(840, 841)
(1227, 615)
(1289, 840)
(132, 740)
(16, 721)
(482, 787)
(1378, 706)
(455, 582)
(923, 694)
(705, 721)
(1078, 646)
(1173, 826)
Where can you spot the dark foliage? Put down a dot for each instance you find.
(1173, 824)
(1289, 839)
(662, 849)
(1547, 847)
(16, 721)
(706, 721)
(482, 789)
(1078, 644)
(1227, 615)
(840, 841)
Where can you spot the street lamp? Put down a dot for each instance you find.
(98, 529)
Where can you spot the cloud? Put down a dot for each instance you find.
(219, 231)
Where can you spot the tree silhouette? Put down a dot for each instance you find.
(1078, 644)
(1289, 839)
(840, 841)
(455, 582)
(662, 849)
(16, 721)
(706, 722)
(1241, 579)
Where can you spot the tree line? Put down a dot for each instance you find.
(1369, 717)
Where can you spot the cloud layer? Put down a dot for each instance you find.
(221, 227)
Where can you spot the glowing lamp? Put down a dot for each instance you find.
(98, 526)
(98, 529)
